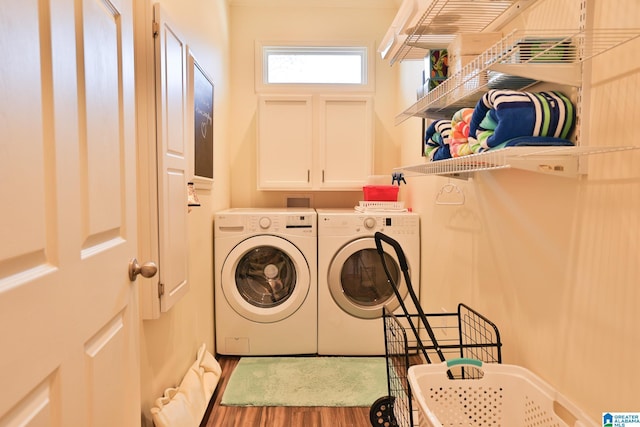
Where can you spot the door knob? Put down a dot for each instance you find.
(148, 269)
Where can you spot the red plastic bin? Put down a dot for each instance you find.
(380, 193)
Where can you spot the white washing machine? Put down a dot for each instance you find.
(266, 298)
(352, 284)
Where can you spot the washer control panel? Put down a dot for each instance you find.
(298, 223)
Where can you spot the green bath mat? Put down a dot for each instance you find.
(306, 381)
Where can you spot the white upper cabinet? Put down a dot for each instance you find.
(285, 149)
(345, 141)
(314, 142)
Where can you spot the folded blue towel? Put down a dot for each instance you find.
(536, 141)
(502, 115)
(436, 140)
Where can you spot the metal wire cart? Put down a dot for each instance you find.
(415, 338)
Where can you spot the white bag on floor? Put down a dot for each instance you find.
(185, 405)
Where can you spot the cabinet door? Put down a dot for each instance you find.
(285, 141)
(171, 51)
(345, 141)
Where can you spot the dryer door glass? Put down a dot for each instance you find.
(265, 276)
(363, 278)
(357, 281)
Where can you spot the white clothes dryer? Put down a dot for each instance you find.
(352, 284)
(265, 281)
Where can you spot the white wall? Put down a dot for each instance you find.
(553, 261)
(282, 20)
(169, 344)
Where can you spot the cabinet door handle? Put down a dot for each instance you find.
(323, 176)
(308, 175)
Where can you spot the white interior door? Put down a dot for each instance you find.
(68, 311)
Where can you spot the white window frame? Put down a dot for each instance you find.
(262, 49)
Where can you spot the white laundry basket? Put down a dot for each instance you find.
(506, 395)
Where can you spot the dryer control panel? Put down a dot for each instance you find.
(356, 223)
(395, 224)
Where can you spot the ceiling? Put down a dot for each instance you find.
(318, 3)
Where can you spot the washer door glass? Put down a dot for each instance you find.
(265, 278)
(358, 283)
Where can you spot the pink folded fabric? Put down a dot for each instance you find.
(459, 142)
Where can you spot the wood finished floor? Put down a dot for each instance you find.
(276, 416)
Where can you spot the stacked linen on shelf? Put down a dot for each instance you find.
(460, 144)
(436, 138)
(502, 118)
(445, 139)
(376, 207)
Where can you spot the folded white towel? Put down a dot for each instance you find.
(363, 209)
(185, 405)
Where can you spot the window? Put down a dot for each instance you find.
(285, 66)
(315, 65)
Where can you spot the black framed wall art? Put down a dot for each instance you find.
(203, 91)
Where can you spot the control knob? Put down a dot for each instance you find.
(264, 222)
(369, 223)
